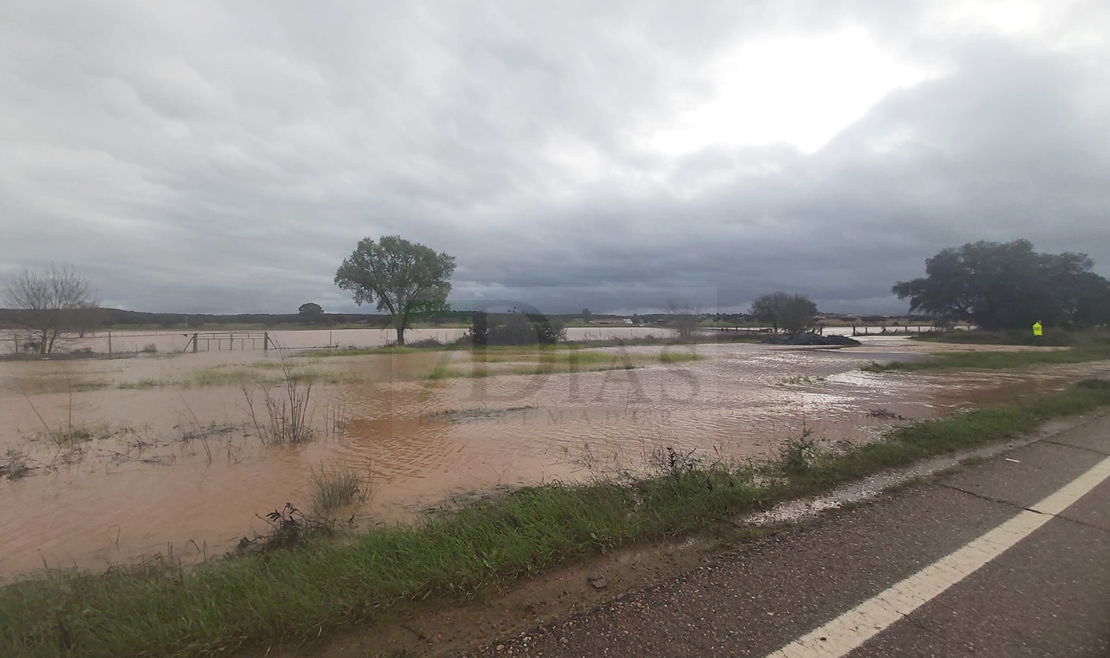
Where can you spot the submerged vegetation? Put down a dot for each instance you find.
(680, 357)
(286, 416)
(333, 487)
(294, 595)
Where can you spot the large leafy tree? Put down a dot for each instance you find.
(793, 313)
(798, 314)
(311, 312)
(404, 278)
(767, 308)
(1006, 285)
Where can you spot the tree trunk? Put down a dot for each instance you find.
(399, 325)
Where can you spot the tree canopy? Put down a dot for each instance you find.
(310, 312)
(1008, 285)
(404, 278)
(794, 313)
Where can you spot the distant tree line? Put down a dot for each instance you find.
(1008, 285)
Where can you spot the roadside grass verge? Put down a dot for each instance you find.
(293, 596)
(1053, 337)
(921, 440)
(997, 360)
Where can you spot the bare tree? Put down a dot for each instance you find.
(55, 300)
(684, 318)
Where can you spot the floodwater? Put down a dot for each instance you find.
(157, 455)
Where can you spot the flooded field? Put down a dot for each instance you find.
(120, 460)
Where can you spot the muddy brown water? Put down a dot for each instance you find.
(165, 460)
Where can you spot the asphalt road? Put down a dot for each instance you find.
(884, 579)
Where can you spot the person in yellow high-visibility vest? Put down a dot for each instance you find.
(1038, 332)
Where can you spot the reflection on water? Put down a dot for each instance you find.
(174, 464)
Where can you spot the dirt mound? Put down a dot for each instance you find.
(812, 339)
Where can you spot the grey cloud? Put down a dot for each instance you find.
(221, 157)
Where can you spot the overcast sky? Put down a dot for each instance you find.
(208, 156)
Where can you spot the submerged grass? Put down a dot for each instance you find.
(358, 351)
(538, 369)
(41, 384)
(680, 357)
(333, 487)
(295, 595)
(142, 384)
(220, 377)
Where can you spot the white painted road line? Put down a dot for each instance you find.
(851, 629)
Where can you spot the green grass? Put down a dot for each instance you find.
(313, 376)
(296, 595)
(1052, 338)
(336, 486)
(361, 351)
(220, 377)
(998, 360)
(41, 384)
(549, 369)
(564, 357)
(679, 357)
(70, 435)
(144, 383)
(930, 438)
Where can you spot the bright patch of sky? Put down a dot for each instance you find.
(801, 91)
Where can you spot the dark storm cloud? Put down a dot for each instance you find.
(216, 156)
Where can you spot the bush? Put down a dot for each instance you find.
(515, 329)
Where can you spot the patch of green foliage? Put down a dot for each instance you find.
(220, 377)
(680, 357)
(997, 360)
(144, 383)
(362, 351)
(42, 384)
(1053, 337)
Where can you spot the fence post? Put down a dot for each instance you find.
(265, 341)
(109, 344)
(194, 342)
